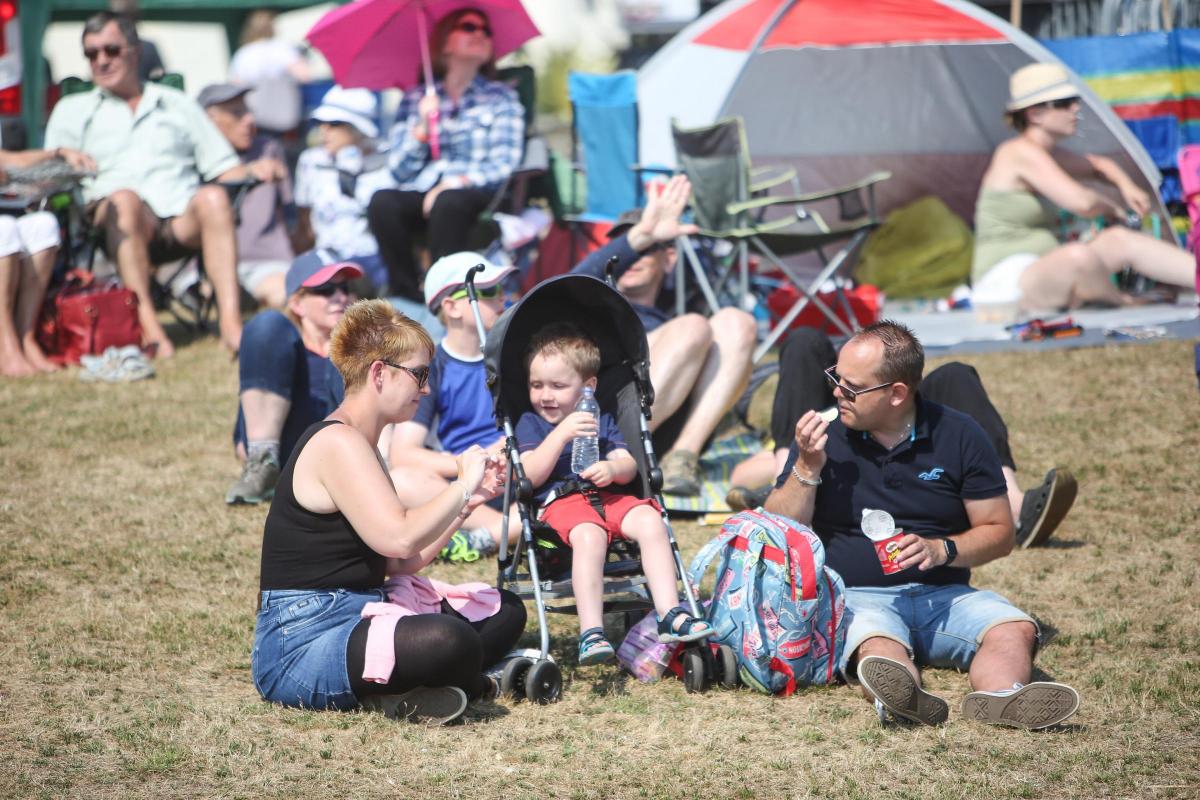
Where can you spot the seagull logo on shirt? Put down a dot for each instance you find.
(932, 475)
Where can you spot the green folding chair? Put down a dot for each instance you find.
(730, 201)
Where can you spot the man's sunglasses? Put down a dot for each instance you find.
(328, 289)
(420, 374)
(474, 27)
(1063, 103)
(110, 50)
(490, 293)
(835, 382)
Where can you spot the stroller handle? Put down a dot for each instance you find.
(473, 299)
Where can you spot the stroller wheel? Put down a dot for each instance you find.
(543, 683)
(512, 679)
(695, 675)
(725, 662)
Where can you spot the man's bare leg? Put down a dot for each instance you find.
(35, 277)
(265, 413)
(678, 351)
(207, 223)
(1004, 657)
(271, 291)
(129, 224)
(12, 360)
(723, 378)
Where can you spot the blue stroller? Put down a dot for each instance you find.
(539, 566)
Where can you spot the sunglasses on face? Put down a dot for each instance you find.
(1063, 103)
(835, 382)
(474, 27)
(490, 293)
(110, 50)
(328, 289)
(419, 374)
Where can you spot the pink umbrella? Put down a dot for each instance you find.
(380, 44)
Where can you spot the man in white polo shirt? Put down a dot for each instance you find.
(154, 148)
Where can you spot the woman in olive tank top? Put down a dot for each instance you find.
(1018, 258)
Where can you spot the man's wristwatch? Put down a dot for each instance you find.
(951, 550)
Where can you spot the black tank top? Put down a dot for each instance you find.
(305, 550)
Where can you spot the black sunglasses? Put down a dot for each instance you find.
(328, 289)
(474, 27)
(1063, 103)
(420, 374)
(110, 50)
(835, 382)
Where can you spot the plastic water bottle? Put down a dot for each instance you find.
(585, 450)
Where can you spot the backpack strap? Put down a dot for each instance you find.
(799, 558)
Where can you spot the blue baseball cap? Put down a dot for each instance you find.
(316, 268)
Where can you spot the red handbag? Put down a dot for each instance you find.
(85, 317)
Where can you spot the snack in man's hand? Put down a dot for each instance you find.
(829, 414)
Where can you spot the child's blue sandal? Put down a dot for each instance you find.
(594, 648)
(689, 628)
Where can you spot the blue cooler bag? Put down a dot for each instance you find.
(775, 602)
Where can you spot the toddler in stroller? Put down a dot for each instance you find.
(590, 510)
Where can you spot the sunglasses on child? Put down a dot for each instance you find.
(110, 50)
(474, 27)
(1063, 103)
(835, 382)
(328, 289)
(490, 293)
(420, 374)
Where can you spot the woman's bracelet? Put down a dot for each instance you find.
(466, 496)
(804, 480)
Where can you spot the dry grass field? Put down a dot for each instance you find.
(127, 593)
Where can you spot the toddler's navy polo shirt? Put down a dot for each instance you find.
(922, 483)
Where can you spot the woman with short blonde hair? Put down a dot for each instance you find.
(336, 530)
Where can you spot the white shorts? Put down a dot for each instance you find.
(31, 233)
(252, 273)
(1001, 283)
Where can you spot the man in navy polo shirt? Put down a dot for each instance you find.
(934, 470)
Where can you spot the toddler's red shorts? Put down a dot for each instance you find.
(566, 512)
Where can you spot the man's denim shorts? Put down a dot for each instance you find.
(941, 626)
(300, 641)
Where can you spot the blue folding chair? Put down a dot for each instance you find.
(605, 145)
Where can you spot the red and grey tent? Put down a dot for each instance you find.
(840, 88)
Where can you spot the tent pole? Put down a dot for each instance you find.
(1014, 13)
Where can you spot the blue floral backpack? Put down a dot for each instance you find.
(775, 602)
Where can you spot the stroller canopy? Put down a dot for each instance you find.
(596, 308)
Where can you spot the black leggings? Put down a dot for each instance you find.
(807, 353)
(440, 649)
(395, 217)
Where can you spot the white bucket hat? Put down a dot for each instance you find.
(356, 107)
(449, 274)
(1039, 83)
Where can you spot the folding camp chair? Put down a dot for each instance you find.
(730, 203)
(607, 177)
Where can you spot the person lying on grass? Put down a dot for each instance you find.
(336, 530)
(581, 508)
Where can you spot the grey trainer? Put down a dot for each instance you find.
(681, 473)
(257, 483)
(894, 686)
(1033, 706)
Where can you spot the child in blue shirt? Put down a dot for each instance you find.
(560, 362)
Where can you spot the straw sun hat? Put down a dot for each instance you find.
(1039, 83)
